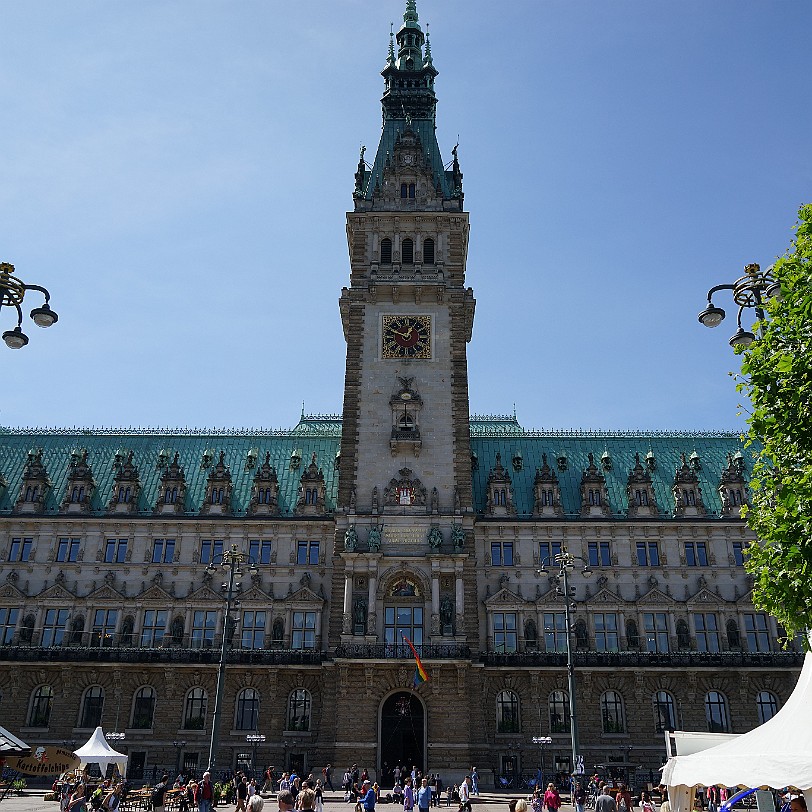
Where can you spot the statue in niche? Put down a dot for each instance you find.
(447, 615)
(374, 538)
(350, 539)
(353, 498)
(457, 504)
(435, 538)
(359, 613)
(435, 500)
(375, 499)
(457, 537)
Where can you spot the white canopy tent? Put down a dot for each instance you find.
(776, 754)
(96, 750)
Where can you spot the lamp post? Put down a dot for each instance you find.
(541, 741)
(178, 745)
(750, 291)
(254, 739)
(566, 562)
(12, 293)
(231, 561)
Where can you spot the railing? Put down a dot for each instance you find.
(204, 656)
(633, 659)
(397, 651)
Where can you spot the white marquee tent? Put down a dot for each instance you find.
(96, 750)
(776, 754)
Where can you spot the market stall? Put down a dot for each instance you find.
(96, 750)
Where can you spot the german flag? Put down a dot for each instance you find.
(420, 674)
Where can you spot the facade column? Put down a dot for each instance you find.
(459, 601)
(347, 621)
(372, 616)
(435, 602)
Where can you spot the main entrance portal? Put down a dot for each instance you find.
(403, 729)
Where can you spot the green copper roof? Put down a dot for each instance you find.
(321, 435)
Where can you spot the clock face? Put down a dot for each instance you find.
(406, 337)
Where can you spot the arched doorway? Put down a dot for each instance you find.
(403, 734)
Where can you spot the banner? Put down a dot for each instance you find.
(45, 761)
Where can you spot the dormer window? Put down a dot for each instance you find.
(311, 496)
(216, 496)
(406, 423)
(407, 252)
(386, 251)
(689, 496)
(170, 496)
(641, 498)
(594, 497)
(407, 190)
(264, 496)
(32, 493)
(124, 495)
(428, 251)
(546, 497)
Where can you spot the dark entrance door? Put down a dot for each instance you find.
(403, 725)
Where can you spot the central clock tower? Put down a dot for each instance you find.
(407, 314)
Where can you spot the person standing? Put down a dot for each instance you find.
(158, 793)
(623, 799)
(328, 777)
(408, 796)
(474, 781)
(605, 802)
(579, 797)
(465, 794)
(242, 793)
(368, 797)
(552, 800)
(424, 796)
(205, 793)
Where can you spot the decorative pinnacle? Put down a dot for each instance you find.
(391, 57)
(411, 11)
(428, 47)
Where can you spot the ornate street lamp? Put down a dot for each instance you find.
(566, 562)
(115, 736)
(231, 561)
(541, 741)
(12, 293)
(750, 291)
(254, 739)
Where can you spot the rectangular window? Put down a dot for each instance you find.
(648, 554)
(304, 630)
(104, 627)
(20, 549)
(68, 550)
(152, 632)
(696, 554)
(259, 552)
(600, 554)
(307, 552)
(203, 626)
(400, 622)
(606, 637)
(738, 553)
(253, 630)
(755, 627)
(163, 551)
(8, 623)
(502, 553)
(504, 632)
(707, 632)
(555, 631)
(115, 551)
(211, 551)
(655, 625)
(53, 630)
(548, 550)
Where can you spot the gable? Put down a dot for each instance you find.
(304, 595)
(605, 596)
(704, 596)
(105, 593)
(504, 597)
(56, 592)
(204, 593)
(156, 593)
(10, 591)
(655, 597)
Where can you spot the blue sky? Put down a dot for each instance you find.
(177, 174)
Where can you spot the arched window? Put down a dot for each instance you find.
(404, 190)
(386, 251)
(299, 710)
(428, 251)
(665, 711)
(407, 252)
(247, 709)
(41, 702)
(767, 705)
(406, 422)
(716, 712)
(612, 717)
(194, 714)
(92, 707)
(507, 712)
(559, 706)
(143, 708)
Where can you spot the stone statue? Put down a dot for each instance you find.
(435, 500)
(447, 615)
(374, 538)
(353, 498)
(435, 538)
(457, 537)
(375, 508)
(359, 613)
(350, 539)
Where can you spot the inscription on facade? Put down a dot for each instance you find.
(404, 535)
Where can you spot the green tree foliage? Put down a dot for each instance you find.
(777, 377)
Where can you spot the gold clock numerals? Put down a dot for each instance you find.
(406, 337)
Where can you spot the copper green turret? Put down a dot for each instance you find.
(408, 104)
